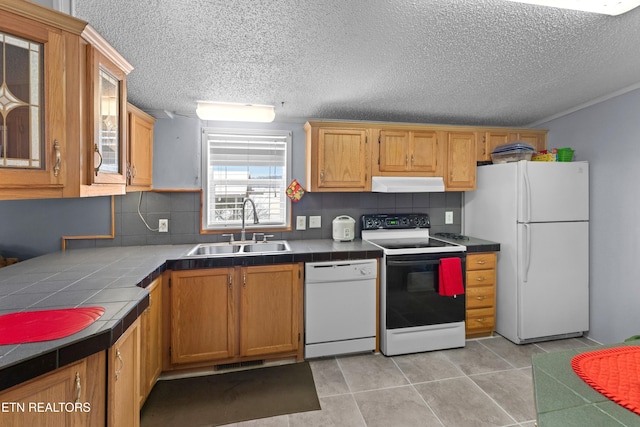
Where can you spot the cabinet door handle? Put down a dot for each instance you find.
(56, 166)
(119, 357)
(480, 320)
(230, 281)
(480, 279)
(322, 175)
(406, 160)
(412, 160)
(244, 279)
(78, 387)
(481, 262)
(480, 298)
(97, 151)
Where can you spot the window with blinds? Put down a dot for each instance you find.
(240, 164)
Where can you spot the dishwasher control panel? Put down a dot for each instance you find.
(331, 271)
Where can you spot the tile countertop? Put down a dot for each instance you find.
(115, 278)
(563, 399)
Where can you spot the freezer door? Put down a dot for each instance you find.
(553, 279)
(553, 191)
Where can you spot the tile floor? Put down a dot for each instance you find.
(486, 383)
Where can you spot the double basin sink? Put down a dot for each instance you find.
(239, 248)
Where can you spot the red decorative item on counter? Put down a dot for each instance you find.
(614, 372)
(45, 325)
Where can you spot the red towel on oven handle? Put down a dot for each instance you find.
(451, 284)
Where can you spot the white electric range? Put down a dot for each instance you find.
(414, 317)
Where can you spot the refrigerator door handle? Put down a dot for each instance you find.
(526, 193)
(526, 252)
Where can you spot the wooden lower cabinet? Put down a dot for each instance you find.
(151, 340)
(123, 379)
(270, 309)
(69, 396)
(202, 315)
(481, 294)
(225, 315)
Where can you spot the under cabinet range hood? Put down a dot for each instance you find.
(410, 184)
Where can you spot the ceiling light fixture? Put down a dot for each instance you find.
(607, 7)
(227, 111)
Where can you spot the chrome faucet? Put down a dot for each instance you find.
(243, 235)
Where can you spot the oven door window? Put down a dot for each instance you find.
(412, 298)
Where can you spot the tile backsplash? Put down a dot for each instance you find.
(182, 209)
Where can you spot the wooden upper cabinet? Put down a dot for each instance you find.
(460, 173)
(337, 158)
(537, 138)
(140, 159)
(65, 109)
(105, 147)
(33, 119)
(410, 153)
(489, 139)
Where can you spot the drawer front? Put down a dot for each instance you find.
(480, 297)
(481, 261)
(480, 319)
(481, 278)
(480, 324)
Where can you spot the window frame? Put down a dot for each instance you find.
(205, 175)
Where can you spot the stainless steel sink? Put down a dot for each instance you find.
(238, 248)
(209, 249)
(275, 246)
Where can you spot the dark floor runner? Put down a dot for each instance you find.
(232, 397)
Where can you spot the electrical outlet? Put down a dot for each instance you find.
(301, 223)
(163, 226)
(315, 221)
(448, 217)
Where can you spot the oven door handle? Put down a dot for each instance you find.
(414, 262)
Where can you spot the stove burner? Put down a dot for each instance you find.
(453, 236)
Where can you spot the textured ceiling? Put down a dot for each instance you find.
(476, 62)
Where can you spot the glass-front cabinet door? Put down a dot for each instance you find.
(32, 114)
(109, 121)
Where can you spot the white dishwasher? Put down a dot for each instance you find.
(340, 307)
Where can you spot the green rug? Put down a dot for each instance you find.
(232, 397)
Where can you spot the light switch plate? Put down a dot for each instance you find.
(301, 223)
(448, 217)
(315, 221)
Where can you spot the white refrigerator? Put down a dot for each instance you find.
(539, 213)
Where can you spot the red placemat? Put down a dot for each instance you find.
(45, 325)
(614, 372)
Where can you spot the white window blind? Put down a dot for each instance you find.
(240, 164)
